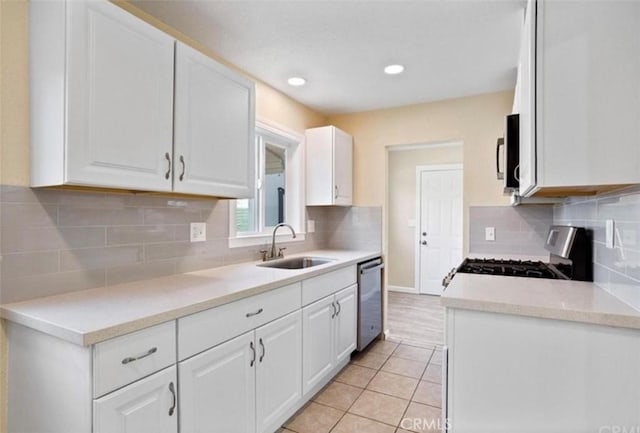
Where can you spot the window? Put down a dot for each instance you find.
(278, 196)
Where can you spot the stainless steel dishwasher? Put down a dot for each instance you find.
(369, 301)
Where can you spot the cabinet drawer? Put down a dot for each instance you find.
(209, 328)
(125, 359)
(324, 285)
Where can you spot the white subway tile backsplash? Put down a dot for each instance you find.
(72, 216)
(519, 230)
(618, 269)
(57, 241)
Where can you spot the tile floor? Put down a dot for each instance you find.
(390, 388)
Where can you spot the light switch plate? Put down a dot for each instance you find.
(489, 233)
(608, 231)
(411, 223)
(198, 232)
(311, 226)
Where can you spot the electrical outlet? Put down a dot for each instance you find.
(198, 232)
(489, 233)
(311, 226)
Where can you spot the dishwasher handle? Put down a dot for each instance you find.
(371, 268)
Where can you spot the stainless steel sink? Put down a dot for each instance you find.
(296, 263)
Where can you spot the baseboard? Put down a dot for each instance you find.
(401, 289)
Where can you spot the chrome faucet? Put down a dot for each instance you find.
(271, 255)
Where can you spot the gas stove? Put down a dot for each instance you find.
(512, 268)
(570, 259)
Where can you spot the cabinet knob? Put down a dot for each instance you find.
(424, 242)
(424, 233)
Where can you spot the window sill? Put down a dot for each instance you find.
(263, 239)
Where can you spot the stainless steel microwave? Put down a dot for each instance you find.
(511, 154)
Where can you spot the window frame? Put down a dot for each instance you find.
(295, 190)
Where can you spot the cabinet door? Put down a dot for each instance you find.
(318, 337)
(120, 99)
(146, 406)
(217, 389)
(214, 128)
(342, 168)
(278, 375)
(346, 323)
(588, 93)
(526, 95)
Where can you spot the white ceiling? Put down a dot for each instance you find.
(450, 48)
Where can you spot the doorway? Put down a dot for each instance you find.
(411, 315)
(439, 225)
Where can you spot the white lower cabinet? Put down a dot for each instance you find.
(217, 388)
(509, 373)
(279, 371)
(346, 323)
(146, 406)
(317, 357)
(329, 327)
(251, 383)
(241, 367)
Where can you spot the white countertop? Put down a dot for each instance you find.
(574, 301)
(90, 316)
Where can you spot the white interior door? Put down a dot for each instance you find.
(440, 228)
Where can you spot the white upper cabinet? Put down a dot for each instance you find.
(214, 128)
(101, 97)
(103, 112)
(329, 167)
(584, 134)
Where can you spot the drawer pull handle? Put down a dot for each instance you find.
(173, 394)
(135, 358)
(253, 349)
(333, 306)
(339, 308)
(255, 313)
(263, 351)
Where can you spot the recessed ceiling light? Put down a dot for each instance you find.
(296, 81)
(393, 69)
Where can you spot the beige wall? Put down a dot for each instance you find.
(271, 106)
(477, 121)
(402, 207)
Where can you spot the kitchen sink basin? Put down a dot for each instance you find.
(296, 263)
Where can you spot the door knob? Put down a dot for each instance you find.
(424, 242)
